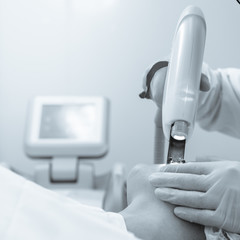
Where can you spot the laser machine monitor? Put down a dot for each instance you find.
(63, 131)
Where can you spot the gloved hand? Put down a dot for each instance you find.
(207, 193)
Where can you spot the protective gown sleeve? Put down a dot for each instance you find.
(219, 108)
(212, 233)
(29, 211)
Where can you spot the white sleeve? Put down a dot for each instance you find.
(218, 234)
(219, 108)
(29, 211)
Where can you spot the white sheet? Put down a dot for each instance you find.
(28, 211)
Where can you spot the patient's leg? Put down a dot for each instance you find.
(149, 218)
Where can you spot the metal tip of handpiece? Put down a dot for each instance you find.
(176, 151)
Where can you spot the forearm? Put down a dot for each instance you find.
(219, 109)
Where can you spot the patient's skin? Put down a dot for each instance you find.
(147, 217)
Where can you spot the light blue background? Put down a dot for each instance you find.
(102, 47)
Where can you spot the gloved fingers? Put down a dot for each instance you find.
(180, 181)
(191, 167)
(191, 199)
(204, 83)
(203, 217)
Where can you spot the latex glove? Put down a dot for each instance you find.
(207, 193)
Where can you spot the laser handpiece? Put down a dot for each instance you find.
(181, 90)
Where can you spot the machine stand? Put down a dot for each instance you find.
(65, 173)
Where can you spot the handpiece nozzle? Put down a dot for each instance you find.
(179, 130)
(178, 136)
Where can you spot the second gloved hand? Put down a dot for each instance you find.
(206, 193)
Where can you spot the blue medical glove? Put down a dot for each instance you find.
(206, 193)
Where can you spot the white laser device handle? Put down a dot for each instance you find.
(181, 90)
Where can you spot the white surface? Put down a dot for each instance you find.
(76, 126)
(29, 211)
(102, 47)
(85, 196)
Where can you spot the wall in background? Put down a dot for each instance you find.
(102, 47)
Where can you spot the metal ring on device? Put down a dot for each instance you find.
(180, 161)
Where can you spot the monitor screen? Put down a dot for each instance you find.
(70, 121)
